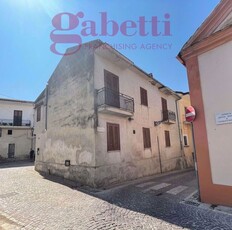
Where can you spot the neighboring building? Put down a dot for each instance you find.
(186, 129)
(207, 56)
(16, 133)
(102, 115)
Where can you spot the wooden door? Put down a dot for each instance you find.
(11, 150)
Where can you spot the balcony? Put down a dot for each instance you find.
(10, 122)
(113, 102)
(169, 117)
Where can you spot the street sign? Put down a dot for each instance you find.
(190, 114)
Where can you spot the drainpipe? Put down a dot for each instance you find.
(179, 129)
(160, 162)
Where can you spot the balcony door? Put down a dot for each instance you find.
(164, 109)
(18, 118)
(112, 96)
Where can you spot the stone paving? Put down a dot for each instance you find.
(29, 201)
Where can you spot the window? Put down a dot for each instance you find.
(143, 95)
(186, 140)
(111, 89)
(146, 138)
(167, 138)
(0, 132)
(18, 118)
(10, 132)
(38, 113)
(113, 137)
(164, 109)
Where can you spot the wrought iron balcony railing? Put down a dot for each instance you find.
(169, 116)
(115, 99)
(10, 122)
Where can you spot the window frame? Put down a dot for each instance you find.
(9, 132)
(38, 113)
(146, 138)
(167, 138)
(143, 96)
(185, 136)
(113, 142)
(17, 118)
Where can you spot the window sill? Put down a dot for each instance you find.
(111, 151)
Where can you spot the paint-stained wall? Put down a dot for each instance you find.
(133, 161)
(70, 119)
(76, 130)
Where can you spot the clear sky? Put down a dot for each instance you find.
(26, 60)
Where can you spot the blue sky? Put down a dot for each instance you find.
(26, 59)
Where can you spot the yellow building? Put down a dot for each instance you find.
(185, 128)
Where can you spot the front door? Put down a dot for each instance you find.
(112, 96)
(11, 150)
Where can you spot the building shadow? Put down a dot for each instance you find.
(16, 164)
(154, 205)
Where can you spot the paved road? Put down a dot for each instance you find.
(29, 201)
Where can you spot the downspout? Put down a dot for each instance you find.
(178, 122)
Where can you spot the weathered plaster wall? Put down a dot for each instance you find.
(7, 110)
(21, 137)
(133, 161)
(71, 120)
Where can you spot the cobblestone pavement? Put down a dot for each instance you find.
(29, 201)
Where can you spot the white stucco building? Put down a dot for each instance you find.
(16, 133)
(103, 120)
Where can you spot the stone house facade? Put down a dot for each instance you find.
(103, 120)
(16, 128)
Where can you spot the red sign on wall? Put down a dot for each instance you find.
(190, 114)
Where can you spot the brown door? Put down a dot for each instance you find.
(111, 89)
(11, 150)
(18, 118)
(164, 109)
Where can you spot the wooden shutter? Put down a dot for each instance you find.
(167, 138)
(146, 138)
(164, 109)
(164, 104)
(143, 96)
(113, 137)
(111, 81)
(112, 96)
